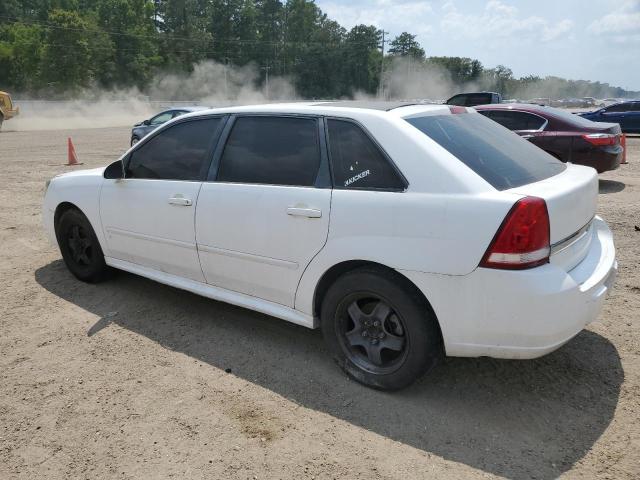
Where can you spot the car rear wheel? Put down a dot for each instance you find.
(379, 331)
(80, 248)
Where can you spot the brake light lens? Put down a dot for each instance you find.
(457, 110)
(522, 241)
(601, 139)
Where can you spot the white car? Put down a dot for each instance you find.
(405, 231)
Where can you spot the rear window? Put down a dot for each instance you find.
(499, 156)
(572, 118)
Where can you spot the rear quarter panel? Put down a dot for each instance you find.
(432, 233)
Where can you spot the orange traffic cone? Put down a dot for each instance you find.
(623, 142)
(72, 157)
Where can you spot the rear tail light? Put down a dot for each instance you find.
(522, 241)
(601, 139)
(456, 109)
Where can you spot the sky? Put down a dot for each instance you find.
(596, 40)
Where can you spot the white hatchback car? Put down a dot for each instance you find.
(405, 231)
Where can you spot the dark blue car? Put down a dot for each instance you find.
(139, 130)
(627, 114)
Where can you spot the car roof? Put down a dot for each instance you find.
(347, 109)
(383, 105)
(530, 107)
(190, 108)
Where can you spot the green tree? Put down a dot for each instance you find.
(361, 59)
(462, 69)
(20, 56)
(184, 38)
(406, 45)
(74, 47)
(131, 31)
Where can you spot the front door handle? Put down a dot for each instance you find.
(180, 200)
(304, 212)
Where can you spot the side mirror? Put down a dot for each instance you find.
(114, 171)
(146, 122)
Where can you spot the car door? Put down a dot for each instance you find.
(148, 217)
(632, 123)
(265, 213)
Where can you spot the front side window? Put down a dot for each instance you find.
(160, 119)
(180, 152)
(515, 120)
(357, 162)
(271, 150)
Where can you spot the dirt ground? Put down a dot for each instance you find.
(132, 379)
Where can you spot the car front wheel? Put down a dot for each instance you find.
(134, 140)
(379, 330)
(80, 248)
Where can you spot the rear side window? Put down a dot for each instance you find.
(515, 120)
(180, 152)
(502, 158)
(358, 163)
(271, 150)
(635, 107)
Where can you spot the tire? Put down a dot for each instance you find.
(134, 140)
(404, 344)
(1, 120)
(80, 247)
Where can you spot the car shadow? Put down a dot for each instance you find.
(610, 186)
(518, 419)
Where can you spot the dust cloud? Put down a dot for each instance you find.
(209, 84)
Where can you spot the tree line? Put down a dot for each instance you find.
(58, 47)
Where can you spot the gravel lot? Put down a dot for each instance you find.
(132, 379)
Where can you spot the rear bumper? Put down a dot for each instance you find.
(602, 159)
(521, 314)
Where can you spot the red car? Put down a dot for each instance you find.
(568, 137)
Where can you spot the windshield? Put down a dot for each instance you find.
(499, 156)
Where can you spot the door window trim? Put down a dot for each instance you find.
(166, 126)
(323, 177)
(377, 145)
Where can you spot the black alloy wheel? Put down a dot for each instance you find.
(80, 247)
(372, 333)
(380, 329)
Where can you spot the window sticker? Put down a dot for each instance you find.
(357, 177)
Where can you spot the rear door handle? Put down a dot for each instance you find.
(179, 200)
(304, 212)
